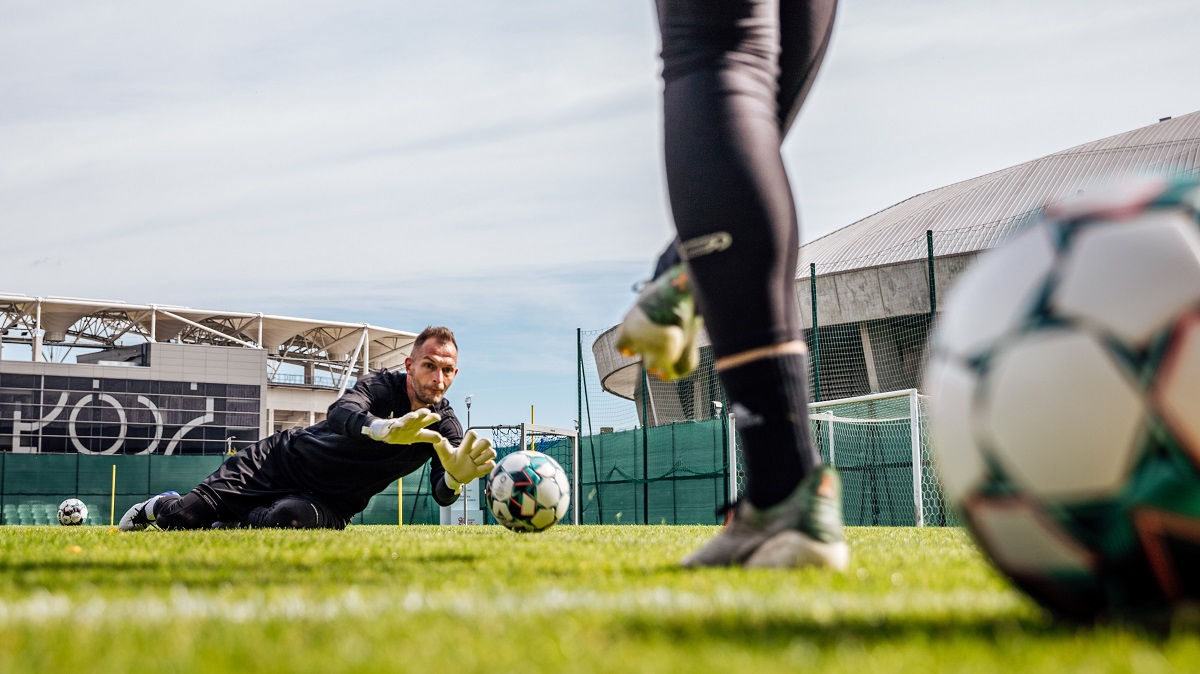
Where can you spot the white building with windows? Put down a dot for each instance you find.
(104, 377)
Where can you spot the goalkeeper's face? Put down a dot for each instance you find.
(430, 372)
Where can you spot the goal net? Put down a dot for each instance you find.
(878, 443)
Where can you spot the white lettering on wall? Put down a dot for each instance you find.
(22, 427)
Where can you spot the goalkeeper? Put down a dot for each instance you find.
(320, 477)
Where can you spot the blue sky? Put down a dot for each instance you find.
(494, 167)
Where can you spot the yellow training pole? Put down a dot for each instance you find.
(532, 445)
(400, 501)
(112, 504)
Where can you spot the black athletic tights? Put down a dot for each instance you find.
(193, 511)
(735, 74)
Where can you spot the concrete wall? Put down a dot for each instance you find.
(215, 364)
(166, 362)
(868, 294)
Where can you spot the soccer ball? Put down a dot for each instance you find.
(528, 491)
(72, 512)
(1064, 402)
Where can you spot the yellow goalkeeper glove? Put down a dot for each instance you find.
(407, 430)
(474, 458)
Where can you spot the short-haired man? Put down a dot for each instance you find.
(387, 426)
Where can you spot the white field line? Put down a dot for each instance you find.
(187, 605)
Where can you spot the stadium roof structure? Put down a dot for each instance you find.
(966, 218)
(99, 324)
(980, 213)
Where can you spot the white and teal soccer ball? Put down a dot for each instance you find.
(72, 512)
(1064, 402)
(528, 491)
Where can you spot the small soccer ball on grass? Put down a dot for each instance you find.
(1064, 402)
(72, 512)
(528, 492)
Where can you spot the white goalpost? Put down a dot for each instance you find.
(877, 442)
(827, 413)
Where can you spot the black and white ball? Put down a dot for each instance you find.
(1063, 382)
(72, 512)
(528, 491)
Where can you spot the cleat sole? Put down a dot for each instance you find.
(792, 549)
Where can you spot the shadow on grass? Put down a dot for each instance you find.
(443, 558)
(783, 631)
(168, 569)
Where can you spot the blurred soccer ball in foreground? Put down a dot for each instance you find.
(1064, 402)
(72, 512)
(528, 491)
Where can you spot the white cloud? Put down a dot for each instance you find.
(490, 165)
(915, 96)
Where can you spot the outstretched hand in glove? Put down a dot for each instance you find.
(406, 430)
(474, 458)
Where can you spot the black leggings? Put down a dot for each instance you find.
(193, 511)
(735, 74)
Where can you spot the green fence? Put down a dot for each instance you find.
(32, 486)
(680, 473)
(662, 455)
(672, 474)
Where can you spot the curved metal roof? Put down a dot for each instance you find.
(979, 213)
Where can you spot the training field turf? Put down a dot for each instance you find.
(480, 599)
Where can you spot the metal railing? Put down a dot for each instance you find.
(321, 380)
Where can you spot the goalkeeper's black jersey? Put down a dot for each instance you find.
(335, 462)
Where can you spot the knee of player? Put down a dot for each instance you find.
(175, 512)
(286, 513)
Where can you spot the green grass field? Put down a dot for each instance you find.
(480, 599)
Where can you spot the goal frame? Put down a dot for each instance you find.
(914, 415)
(817, 415)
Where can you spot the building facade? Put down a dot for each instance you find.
(109, 378)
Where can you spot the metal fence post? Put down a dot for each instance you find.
(932, 276)
(645, 448)
(816, 345)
